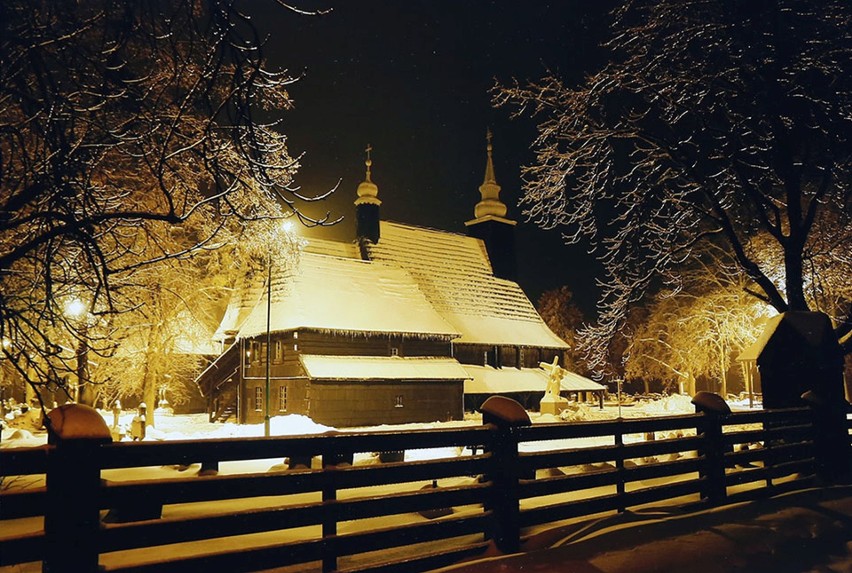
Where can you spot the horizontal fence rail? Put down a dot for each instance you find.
(330, 515)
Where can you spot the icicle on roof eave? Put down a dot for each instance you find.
(357, 333)
(423, 368)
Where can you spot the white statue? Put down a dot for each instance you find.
(553, 402)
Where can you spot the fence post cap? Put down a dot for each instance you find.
(503, 412)
(711, 403)
(814, 399)
(76, 422)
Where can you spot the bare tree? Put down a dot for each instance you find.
(713, 121)
(120, 123)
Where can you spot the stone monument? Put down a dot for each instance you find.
(552, 402)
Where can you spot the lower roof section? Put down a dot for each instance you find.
(318, 367)
(488, 380)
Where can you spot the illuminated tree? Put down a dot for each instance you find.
(698, 329)
(151, 347)
(122, 122)
(714, 121)
(177, 304)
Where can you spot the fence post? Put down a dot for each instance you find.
(506, 415)
(714, 409)
(330, 460)
(72, 515)
(619, 466)
(832, 451)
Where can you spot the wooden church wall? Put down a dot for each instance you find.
(286, 370)
(296, 401)
(362, 403)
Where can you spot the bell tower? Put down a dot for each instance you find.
(367, 206)
(491, 225)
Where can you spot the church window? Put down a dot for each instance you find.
(282, 398)
(398, 403)
(258, 399)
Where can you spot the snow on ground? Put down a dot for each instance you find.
(636, 542)
(197, 426)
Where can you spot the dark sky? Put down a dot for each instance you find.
(412, 78)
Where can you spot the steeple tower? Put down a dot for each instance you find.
(490, 223)
(367, 206)
(490, 191)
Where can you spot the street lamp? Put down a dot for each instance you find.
(78, 311)
(286, 228)
(268, 341)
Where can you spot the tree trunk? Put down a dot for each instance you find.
(793, 269)
(151, 372)
(690, 384)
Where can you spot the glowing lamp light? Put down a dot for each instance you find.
(75, 308)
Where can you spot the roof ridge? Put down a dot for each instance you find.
(425, 228)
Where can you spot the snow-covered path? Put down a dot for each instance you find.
(801, 532)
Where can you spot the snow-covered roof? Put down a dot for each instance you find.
(331, 248)
(809, 329)
(381, 368)
(339, 295)
(752, 352)
(489, 380)
(454, 273)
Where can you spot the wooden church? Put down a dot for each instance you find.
(405, 324)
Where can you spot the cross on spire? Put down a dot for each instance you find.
(369, 161)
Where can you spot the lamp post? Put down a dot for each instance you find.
(285, 228)
(620, 383)
(268, 342)
(76, 309)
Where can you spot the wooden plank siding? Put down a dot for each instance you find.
(351, 402)
(505, 356)
(348, 403)
(375, 401)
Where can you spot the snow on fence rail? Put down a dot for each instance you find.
(386, 516)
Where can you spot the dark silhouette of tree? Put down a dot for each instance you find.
(562, 315)
(714, 121)
(122, 124)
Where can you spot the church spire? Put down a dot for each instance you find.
(367, 205)
(368, 192)
(491, 225)
(489, 190)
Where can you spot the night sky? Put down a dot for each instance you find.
(412, 79)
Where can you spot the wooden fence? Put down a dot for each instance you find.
(397, 516)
